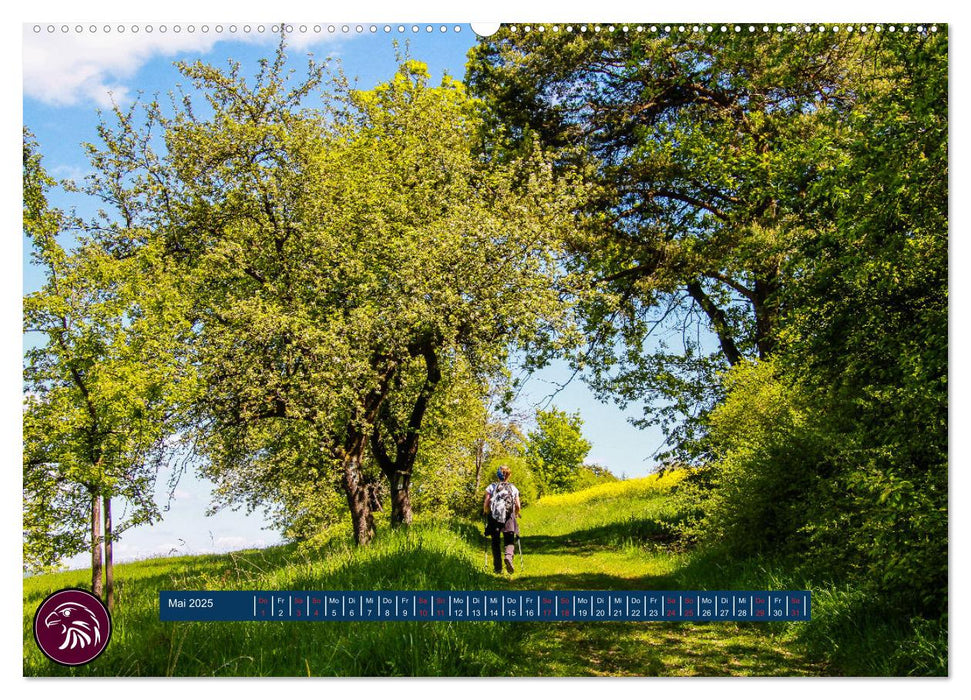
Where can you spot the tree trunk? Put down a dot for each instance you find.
(358, 500)
(109, 560)
(356, 490)
(400, 500)
(404, 439)
(96, 586)
(766, 313)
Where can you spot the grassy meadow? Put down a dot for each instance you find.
(610, 536)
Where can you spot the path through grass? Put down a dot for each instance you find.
(608, 537)
(612, 538)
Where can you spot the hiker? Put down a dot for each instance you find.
(501, 506)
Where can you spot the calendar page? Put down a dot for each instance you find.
(514, 349)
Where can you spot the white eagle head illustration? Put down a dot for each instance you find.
(78, 623)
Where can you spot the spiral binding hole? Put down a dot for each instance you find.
(625, 29)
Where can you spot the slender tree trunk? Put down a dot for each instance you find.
(109, 560)
(96, 586)
(404, 440)
(358, 500)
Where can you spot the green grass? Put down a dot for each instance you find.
(426, 557)
(612, 536)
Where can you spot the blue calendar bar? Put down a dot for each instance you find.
(506, 606)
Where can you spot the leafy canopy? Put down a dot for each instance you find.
(335, 257)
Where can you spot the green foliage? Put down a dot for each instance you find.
(702, 147)
(591, 475)
(445, 469)
(792, 191)
(556, 449)
(868, 335)
(851, 632)
(765, 463)
(338, 261)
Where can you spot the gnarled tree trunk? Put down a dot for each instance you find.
(398, 469)
(358, 500)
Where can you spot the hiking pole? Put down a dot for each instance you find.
(485, 551)
(519, 541)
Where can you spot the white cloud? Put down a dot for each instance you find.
(70, 172)
(65, 68)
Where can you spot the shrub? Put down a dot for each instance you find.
(751, 497)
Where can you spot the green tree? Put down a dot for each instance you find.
(867, 337)
(703, 147)
(556, 449)
(337, 258)
(790, 191)
(100, 389)
(447, 459)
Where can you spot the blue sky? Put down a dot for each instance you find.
(70, 76)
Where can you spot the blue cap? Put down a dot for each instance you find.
(499, 474)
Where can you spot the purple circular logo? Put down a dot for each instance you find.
(72, 627)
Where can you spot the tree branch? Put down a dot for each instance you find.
(719, 322)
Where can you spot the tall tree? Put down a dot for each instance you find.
(482, 255)
(99, 381)
(336, 258)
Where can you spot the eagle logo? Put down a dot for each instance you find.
(72, 627)
(78, 624)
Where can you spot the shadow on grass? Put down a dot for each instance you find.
(646, 531)
(657, 649)
(472, 531)
(590, 581)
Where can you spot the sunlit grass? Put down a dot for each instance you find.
(609, 537)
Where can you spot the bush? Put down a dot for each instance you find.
(751, 497)
(790, 476)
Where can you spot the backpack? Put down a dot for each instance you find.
(502, 503)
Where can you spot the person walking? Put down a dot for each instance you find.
(501, 506)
